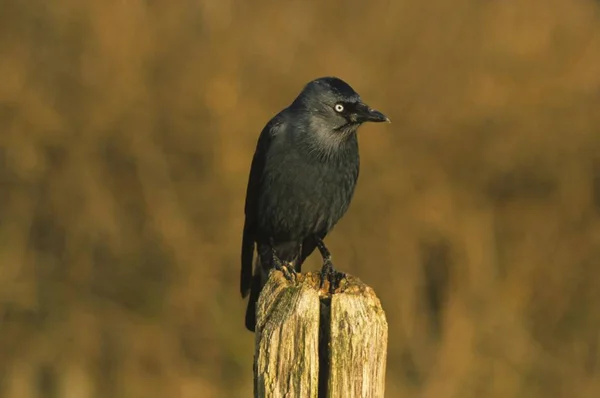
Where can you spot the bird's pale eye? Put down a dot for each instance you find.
(338, 107)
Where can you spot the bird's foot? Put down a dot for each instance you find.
(330, 274)
(287, 269)
(325, 271)
(335, 279)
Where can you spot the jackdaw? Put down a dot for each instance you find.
(301, 183)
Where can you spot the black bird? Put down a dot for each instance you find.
(301, 182)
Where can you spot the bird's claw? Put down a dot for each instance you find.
(335, 280)
(330, 274)
(325, 270)
(288, 270)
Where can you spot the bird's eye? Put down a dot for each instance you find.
(338, 107)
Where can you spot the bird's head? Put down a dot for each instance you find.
(330, 103)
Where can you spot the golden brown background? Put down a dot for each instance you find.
(126, 133)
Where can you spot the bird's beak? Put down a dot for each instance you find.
(367, 114)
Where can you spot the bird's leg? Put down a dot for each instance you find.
(327, 271)
(288, 271)
(327, 263)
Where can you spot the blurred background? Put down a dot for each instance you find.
(127, 129)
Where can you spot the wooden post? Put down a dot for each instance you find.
(310, 343)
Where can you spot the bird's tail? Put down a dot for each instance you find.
(262, 267)
(255, 288)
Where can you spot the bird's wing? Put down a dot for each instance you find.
(252, 192)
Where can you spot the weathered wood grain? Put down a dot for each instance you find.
(310, 343)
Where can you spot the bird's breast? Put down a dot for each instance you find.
(300, 198)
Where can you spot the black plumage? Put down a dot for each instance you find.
(301, 182)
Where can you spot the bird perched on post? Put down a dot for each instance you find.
(301, 182)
